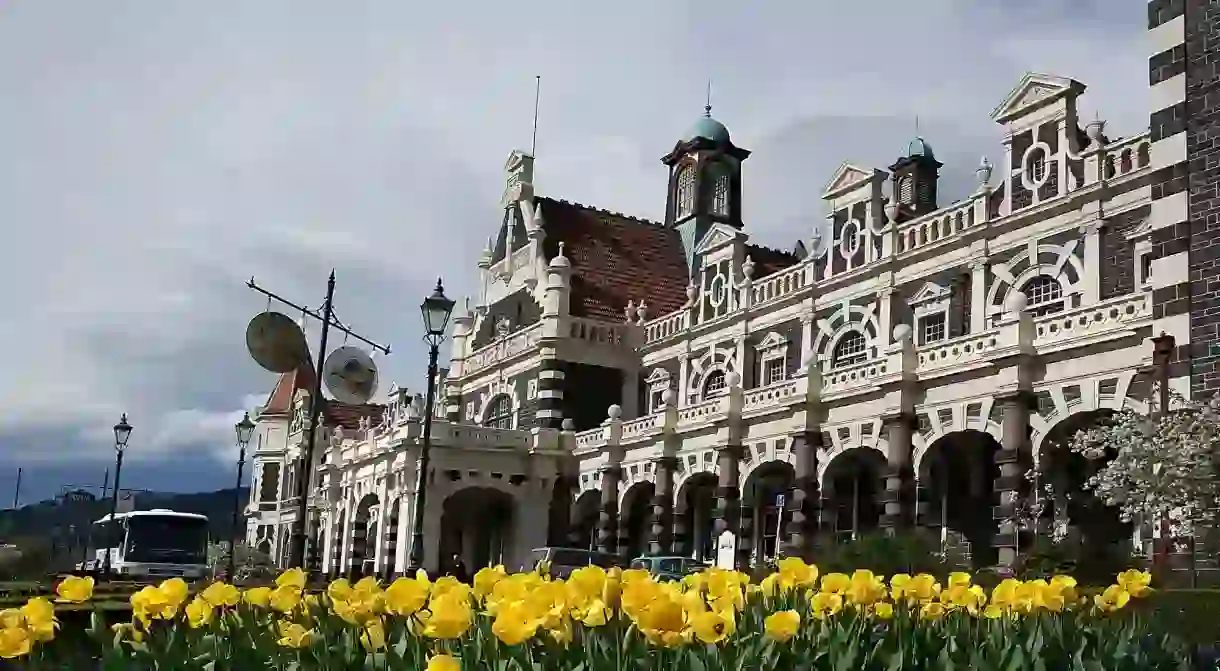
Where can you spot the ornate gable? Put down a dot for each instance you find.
(718, 236)
(1033, 91)
(845, 179)
(773, 341)
(930, 291)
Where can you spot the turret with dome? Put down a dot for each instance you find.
(914, 180)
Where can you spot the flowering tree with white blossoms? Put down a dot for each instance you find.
(1162, 467)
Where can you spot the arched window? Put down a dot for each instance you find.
(500, 413)
(714, 384)
(850, 350)
(906, 190)
(685, 195)
(1044, 294)
(719, 175)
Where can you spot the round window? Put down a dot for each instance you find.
(1036, 164)
(849, 239)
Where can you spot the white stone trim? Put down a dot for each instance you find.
(495, 391)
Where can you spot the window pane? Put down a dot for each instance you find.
(850, 350)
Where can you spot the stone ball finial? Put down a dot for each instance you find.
(615, 412)
(568, 424)
(669, 397)
(732, 379)
(560, 261)
(1016, 302)
(902, 333)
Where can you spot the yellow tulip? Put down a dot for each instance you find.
(931, 610)
(40, 620)
(11, 618)
(75, 589)
(259, 597)
(293, 635)
(514, 624)
(285, 598)
(175, 591)
(199, 612)
(835, 583)
(443, 662)
(782, 625)
(485, 580)
(793, 573)
(1136, 583)
(405, 596)
(1114, 598)
(128, 631)
(221, 595)
(293, 577)
(712, 627)
(884, 610)
(15, 642)
(447, 618)
(825, 604)
(339, 590)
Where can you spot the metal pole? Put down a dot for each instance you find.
(105, 484)
(241, 463)
(416, 559)
(297, 553)
(114, 509)
(17, 491)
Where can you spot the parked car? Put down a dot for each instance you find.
(669, 567)
(562, 561)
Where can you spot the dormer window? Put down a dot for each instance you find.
(772, 352)
(685, 194)
(719, 175)
(658, 383)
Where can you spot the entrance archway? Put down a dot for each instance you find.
(477, 526)
(584, 520)
(763, 499)
(360, 536)
(635, 520)
(851, 488)
(694, 521)
(957, 481)
(1072, 512)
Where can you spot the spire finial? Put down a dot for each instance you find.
(917, 126)
(707, 109)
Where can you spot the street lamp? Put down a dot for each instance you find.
(122, 431)
(436, 310)
(245, 430)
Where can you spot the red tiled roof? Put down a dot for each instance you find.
(767, 260)
(615, 259)
(348, 416)
(280, 400)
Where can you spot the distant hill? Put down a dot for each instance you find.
(59, 527)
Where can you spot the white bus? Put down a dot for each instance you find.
(155, 543)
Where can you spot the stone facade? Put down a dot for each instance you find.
(646, 387)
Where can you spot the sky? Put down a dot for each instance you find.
(156, 154)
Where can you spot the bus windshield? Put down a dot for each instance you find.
(166, 539)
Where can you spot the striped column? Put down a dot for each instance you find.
(806, 496)
(550, 390)
(335, 563)
(360, 529)
(391, 541)
(1169, 214)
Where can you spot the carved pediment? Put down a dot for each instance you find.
(845, 179)
(930, 291)
(1033, 91)
(658, 377)
(774, 340)
(719, 236)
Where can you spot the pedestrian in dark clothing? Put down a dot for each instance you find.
(457, 569)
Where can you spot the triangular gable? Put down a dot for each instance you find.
(929, 292)
(772, 341)
(716, 237)
(846, 178)
(1034, 90)
(658, 376)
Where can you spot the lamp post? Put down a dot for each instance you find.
(245, 430)
(436, 310)
(122, 431)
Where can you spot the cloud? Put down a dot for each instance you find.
(156, 155)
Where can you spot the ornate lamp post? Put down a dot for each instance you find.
(436, 310)
(122, 432)
(245, 430)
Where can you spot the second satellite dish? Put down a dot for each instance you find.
(350, 375)
(276, 342)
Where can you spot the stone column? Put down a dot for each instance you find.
(728, 493)
(899, 496)
(607, 522)
(1014, 460)
(805, 499)
(663, 506)
(559, 529)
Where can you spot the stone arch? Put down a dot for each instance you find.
(1061, 264)
(264, 546)
(716, 359)
(762, 511)
(956, 492)
(694, 519)
(1061, 401)
(477, 524)
(969, 415)
(635, 519)
(584, 519)
(847, 318)
(359, 537)
(500, 390)
(851, 489)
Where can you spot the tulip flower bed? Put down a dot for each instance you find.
(715, 620)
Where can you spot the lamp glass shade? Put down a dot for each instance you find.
(245, 430)
(122, 431)
(436, 310)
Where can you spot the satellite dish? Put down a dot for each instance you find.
(276, 342)
(823, 238)
(350, 375)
